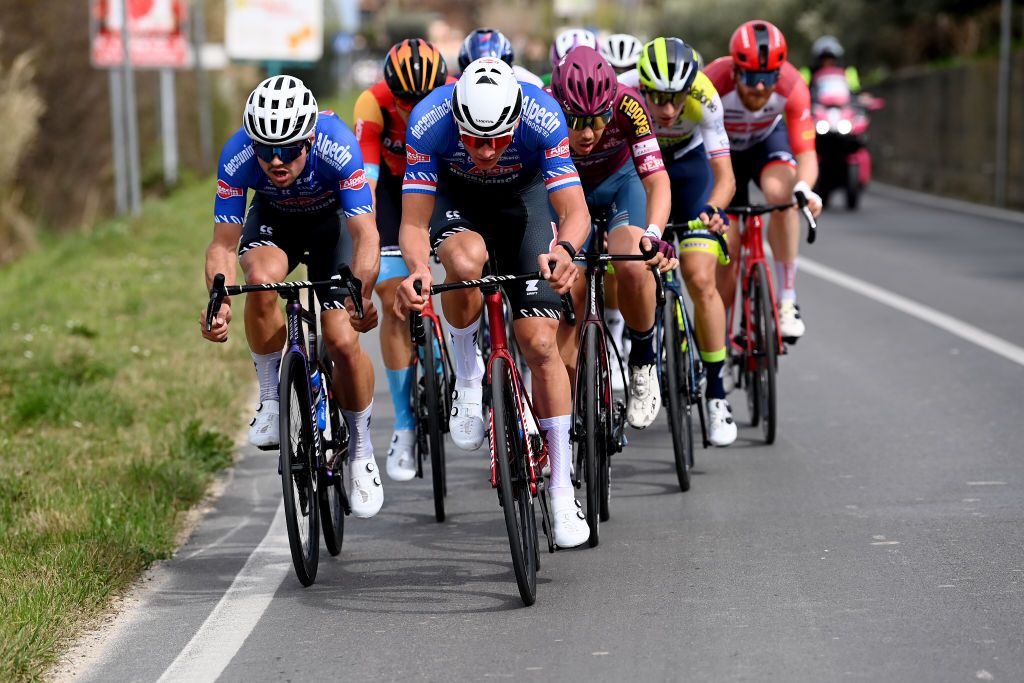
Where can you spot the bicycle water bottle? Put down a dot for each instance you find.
(321, 401)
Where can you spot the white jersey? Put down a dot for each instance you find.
(700, 120)
(527, 76)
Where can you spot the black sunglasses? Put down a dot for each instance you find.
(662, 98)
(752, 78)
(287, 153)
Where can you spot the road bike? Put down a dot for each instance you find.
(755, 350)
(598, 417)
(516, 456)
(679, 364)
(314, 437)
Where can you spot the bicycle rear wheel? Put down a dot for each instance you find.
(435, 382)
(509, 440)
(765, 351)
(677, 370)
(331, 484)
(298, 472)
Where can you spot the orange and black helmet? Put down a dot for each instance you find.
(414, 67)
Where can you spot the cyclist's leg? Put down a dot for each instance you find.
(266, 254)
(536, 310)
(636, 294)
(743, 166)
(463, 254)
(395, 342)
(329, 246)
(777, 179)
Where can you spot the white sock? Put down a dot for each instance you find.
(268, 367)
(616, 325)
(559, 453)
(359, 445)
(785, 280)
(469, 364)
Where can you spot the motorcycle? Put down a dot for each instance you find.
(841, 123)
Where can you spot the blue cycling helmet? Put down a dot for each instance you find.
(485, 42)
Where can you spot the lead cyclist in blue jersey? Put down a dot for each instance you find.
(311, 204)
(484, 157)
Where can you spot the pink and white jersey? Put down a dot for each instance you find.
(790, 102)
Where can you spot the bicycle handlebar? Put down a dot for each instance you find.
(349, 281)
(497, 280)
(684, 230)
(761, 209)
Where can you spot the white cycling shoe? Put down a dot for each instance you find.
(467, 422)
(365, 492)
(264, 427)
(402, 455)
(644, 396)
(569, 522)
(721, 425)
(790, 324)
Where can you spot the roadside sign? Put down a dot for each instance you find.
(158, 33)
(275, 30)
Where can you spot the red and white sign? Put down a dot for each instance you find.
(275, 30)
(225, 191)
(356, 181)
(561, 151)
(413, 157)
(158, 35)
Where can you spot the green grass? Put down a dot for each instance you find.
(114, 414)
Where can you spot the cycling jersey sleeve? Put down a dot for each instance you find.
(712, 125)
(233, 170)
(430, 126)
(369, 124)
(798, 117)
(635, 121)
(353, 187)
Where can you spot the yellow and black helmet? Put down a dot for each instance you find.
(668, 65)
(414, 67)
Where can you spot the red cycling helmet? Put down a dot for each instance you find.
(758, 46)
(584, 82)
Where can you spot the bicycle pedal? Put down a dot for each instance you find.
(790, 340)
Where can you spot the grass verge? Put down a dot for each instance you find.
(114, 414)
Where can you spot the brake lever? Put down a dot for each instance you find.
(354, 287)
(217, 294)
(416, 320)
(812, 225)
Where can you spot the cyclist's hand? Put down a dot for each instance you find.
(557, 268)
(661, 254)
(406, 298)
(713, 218)
(219, 330)
(369, 319)
(813, 200)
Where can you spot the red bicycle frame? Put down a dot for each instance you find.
(751, 253)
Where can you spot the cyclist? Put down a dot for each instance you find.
(485, 156)
(565, 41)
(489, 42)
(412, 69)
(614, 148)
(311, 203)
(688, 121)
(768, 119)
(622, 51)
(827, 60)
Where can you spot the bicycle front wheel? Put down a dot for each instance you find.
(298, 469)
(435, 382)
(509, 439)
(676, 373)
(593, 438)
(331, 485)
(766, 351)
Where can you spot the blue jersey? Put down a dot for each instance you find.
(333, 176)
(540, 145)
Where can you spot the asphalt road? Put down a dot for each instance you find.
(880, 538)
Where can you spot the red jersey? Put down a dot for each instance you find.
(789, 102)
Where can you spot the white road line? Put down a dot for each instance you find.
(221, 636)
(966, 331)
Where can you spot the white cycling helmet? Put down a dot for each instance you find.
(281, 110)
(487, 100)
(568, 39)
(621, 50)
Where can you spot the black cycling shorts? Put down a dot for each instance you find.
(748, 164)
(516, 226)
(320, 240)
(389, 208)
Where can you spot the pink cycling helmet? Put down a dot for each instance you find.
(584, 82)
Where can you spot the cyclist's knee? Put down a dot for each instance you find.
(540, 346)
(777, 183)
(341, 338)
(632, 275)
(464, 256)
(386, 291)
